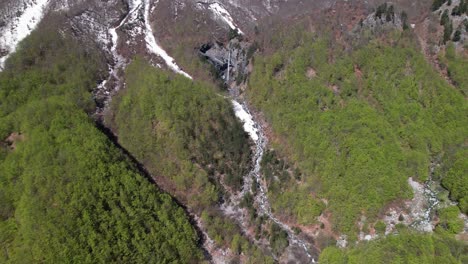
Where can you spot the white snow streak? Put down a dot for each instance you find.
(246, 118)
(222, 13)
(20, 27)
(153, 46)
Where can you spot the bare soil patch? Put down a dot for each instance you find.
(13, 139)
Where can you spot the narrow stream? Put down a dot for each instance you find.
(103, 91)
(255, 131)
(425, 202)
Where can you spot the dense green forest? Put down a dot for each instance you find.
(188, 137)
(67, 194)
(406, 247)
(359, 123)
(454, 176)
(181, 130)
(288, 198)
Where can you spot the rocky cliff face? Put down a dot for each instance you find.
(230, 60)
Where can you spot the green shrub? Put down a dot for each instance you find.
(380, 227)
(404, 248)
(449, 219)
(278, 239)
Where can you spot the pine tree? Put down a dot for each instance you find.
(404, 20)
(456, 36)
(445, 18)
(448, 29)
(437, 4)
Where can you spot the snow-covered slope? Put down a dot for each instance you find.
(153, 45)
(92, 23)
(20, 26)
(221, 13)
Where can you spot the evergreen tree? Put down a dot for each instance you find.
(456, 36)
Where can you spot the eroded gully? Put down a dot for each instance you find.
(232, 208)
(251, 126)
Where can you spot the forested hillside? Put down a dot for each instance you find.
(67, 194)
(181, 130)
(233, 131)
(186, 135)
(358, 124)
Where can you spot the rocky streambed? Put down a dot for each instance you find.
(298, 248)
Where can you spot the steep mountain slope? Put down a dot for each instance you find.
(371, 112)
(421, 164)
(134, 30)
(67, 193)
(280, 128)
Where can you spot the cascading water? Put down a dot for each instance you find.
(425, 202)
(119, 61)
(256, 133)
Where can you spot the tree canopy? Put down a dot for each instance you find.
(67, 194)
(362, 124)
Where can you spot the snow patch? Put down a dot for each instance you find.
(153, 46)
(224, 15)
(135, 24)
(20, 27)
(246, 118)
(90, 25)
